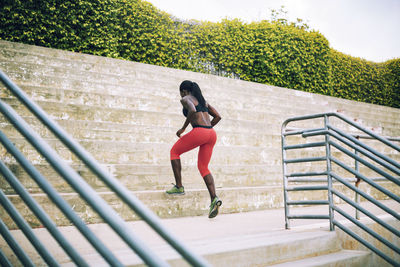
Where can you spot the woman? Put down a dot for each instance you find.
(196, 111)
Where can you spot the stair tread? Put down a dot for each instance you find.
(324, 260)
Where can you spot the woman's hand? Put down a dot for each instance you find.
(179, 132)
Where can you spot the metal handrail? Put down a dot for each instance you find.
(330, 132)
(86, 192)
(58, 200)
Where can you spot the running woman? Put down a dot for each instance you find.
(197, 111)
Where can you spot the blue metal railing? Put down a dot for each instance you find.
(82, 188)
(335, 147)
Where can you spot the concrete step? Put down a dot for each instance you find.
(253, 250)
(341, 258)
(139, 177)
(159, 176)
(154, 153)
(195, 202)
(109, 131)
(140, 117)
(73, 112)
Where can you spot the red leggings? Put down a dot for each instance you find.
(204, 138)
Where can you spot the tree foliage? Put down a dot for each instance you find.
(276, 52)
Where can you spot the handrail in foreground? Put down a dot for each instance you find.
(363, 154)
(85, 191)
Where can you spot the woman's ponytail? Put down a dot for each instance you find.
(198, 95)
(193, 88)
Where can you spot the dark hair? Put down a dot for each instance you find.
(193, 88)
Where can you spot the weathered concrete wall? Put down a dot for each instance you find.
(126, 114)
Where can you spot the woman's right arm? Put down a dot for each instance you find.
(187, 104)
(214, 113)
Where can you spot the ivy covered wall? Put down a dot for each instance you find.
(276, 52)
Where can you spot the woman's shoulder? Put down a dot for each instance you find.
(190, 99)
(185, 99)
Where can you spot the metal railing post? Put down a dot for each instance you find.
(329, 177)
(357, 183)
(285, 182)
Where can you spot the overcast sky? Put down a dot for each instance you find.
(369, 29)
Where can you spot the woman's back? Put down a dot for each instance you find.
(201, 116)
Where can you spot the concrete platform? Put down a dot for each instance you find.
(241, 239)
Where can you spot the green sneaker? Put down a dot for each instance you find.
(176, 191)
(215, 204)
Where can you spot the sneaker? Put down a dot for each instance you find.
(215, 204)
(176, 191)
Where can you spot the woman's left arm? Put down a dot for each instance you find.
(214, 113)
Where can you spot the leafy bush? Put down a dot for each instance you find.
(274, 52)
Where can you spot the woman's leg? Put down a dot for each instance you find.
(187, 142)
(209, 180)
(205, 153)
(177, 169)
(204, 157)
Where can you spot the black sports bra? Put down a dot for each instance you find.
(199, 108)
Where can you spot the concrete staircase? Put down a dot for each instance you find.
(126, 114)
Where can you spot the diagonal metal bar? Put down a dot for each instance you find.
(19, 252)
(366, 163)
(356, 144)
(41, 215)
(59, 201)
(368, 230)
(366, 179)
(27, 230)
(369, 214)
(371, 133)
(4, 262)
(80, 186)
(365, 243)
(343, 118)
(366, 196)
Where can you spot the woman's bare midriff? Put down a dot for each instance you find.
(201, 118)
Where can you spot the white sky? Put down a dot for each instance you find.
(369, 29)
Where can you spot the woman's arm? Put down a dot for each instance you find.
(214, 113)
(187, 104)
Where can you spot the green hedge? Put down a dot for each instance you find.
(273, 52)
